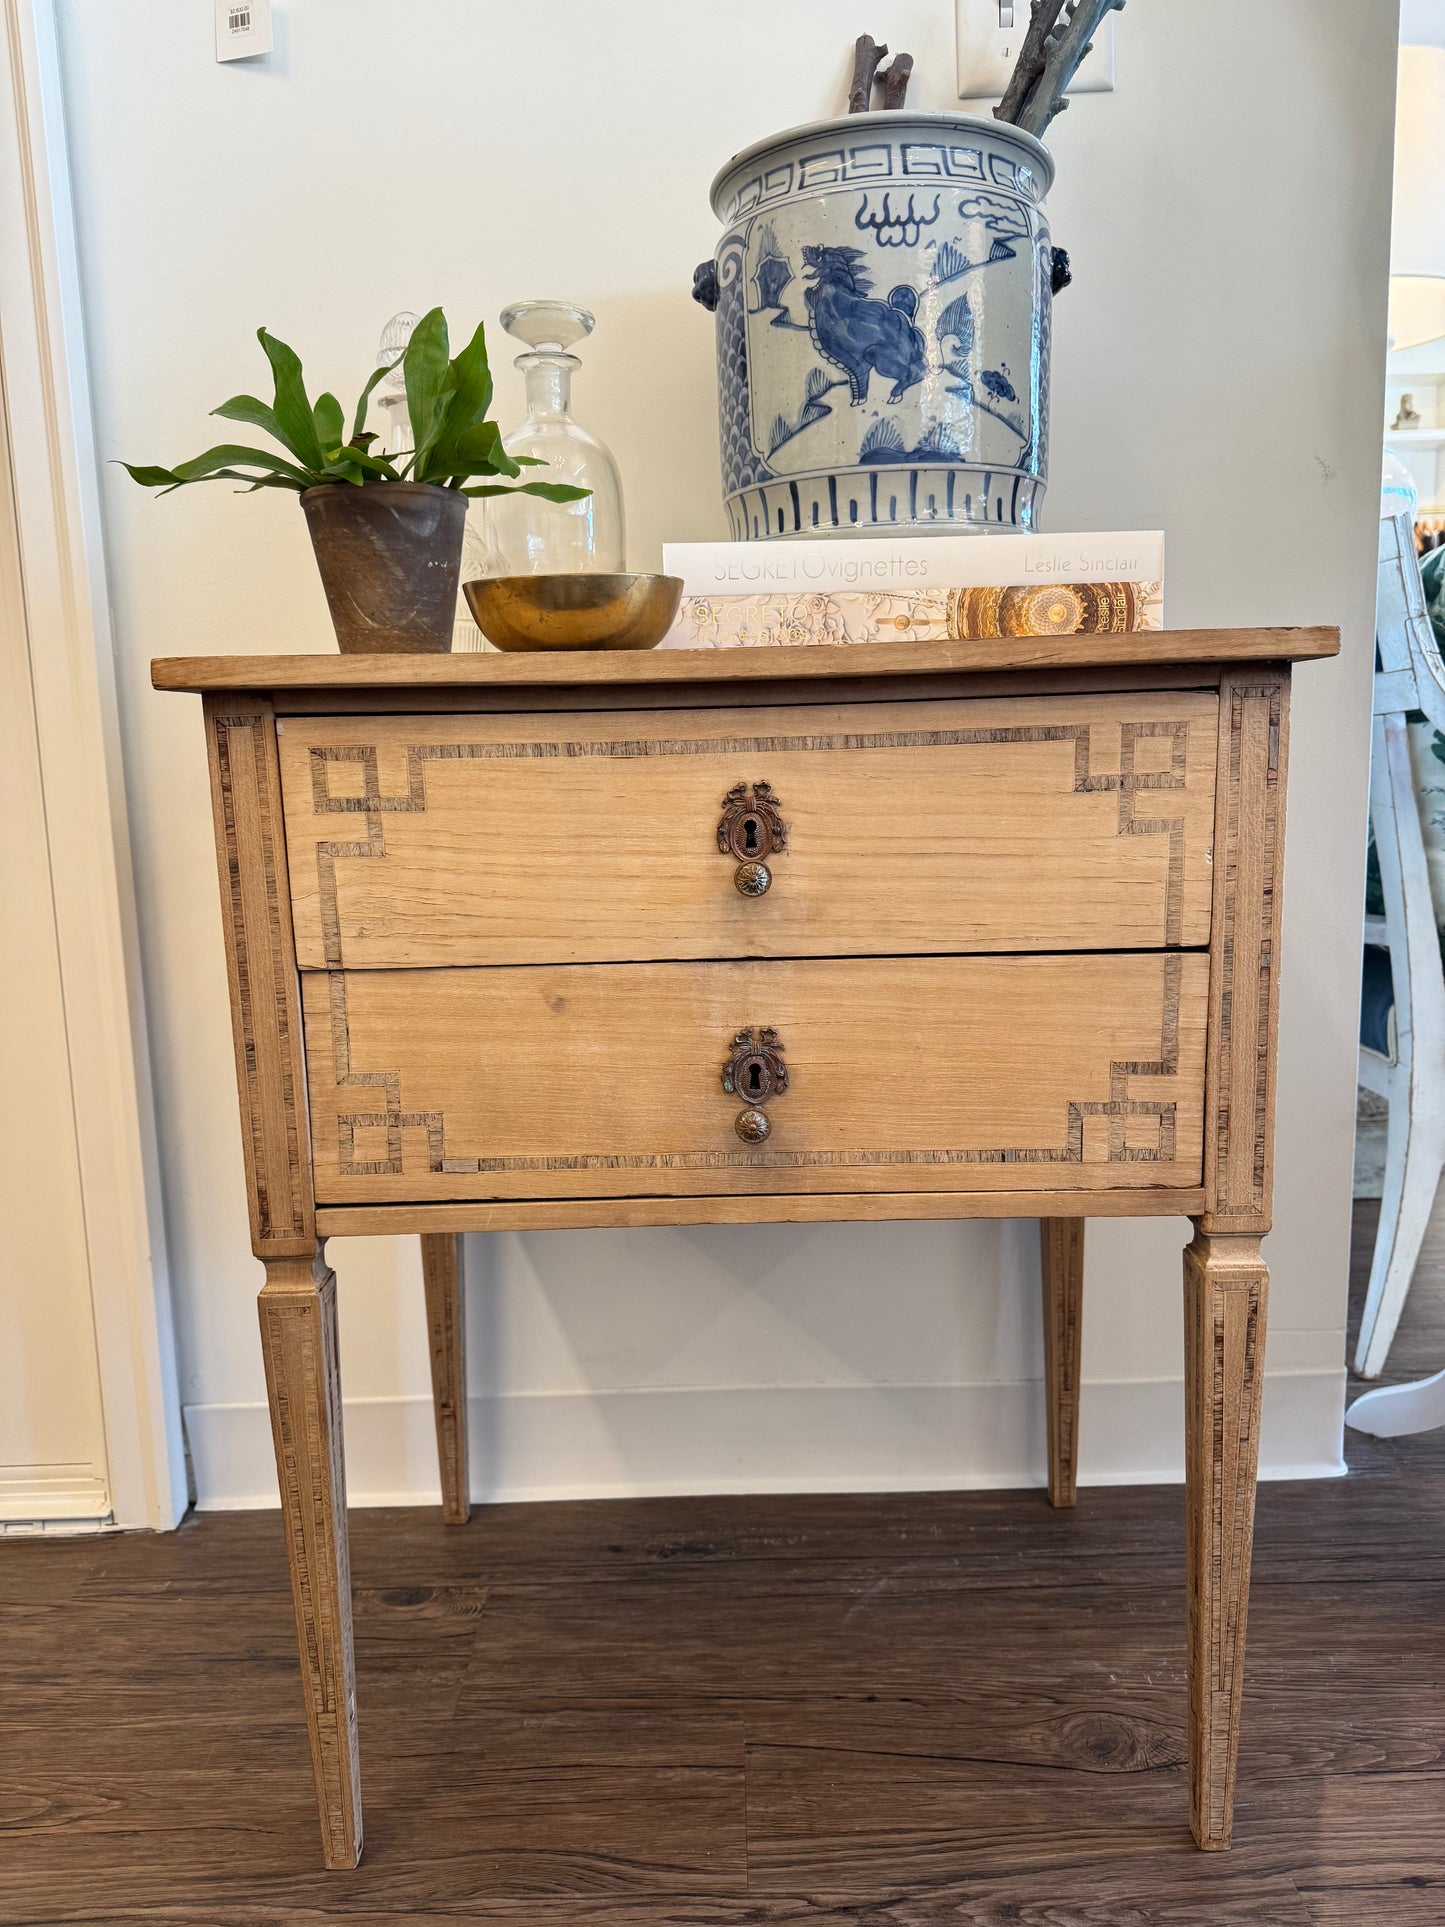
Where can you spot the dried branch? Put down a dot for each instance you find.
(866, 56)
(894, 80)
(1067, 47)
(1030, 63)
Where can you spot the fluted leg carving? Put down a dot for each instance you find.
(303, 1382)
(1061, 1243)
(1226, 1289)
(442, 1277)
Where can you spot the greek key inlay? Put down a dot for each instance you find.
(1119, 1108)
(1128, 781)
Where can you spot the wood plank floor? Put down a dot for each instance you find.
(745, 1712)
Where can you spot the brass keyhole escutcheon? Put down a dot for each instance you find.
(755, 1072)
(751, 830)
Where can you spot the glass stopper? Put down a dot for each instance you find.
(394, 337)
(547, 326)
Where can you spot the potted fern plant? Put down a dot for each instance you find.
(386, 529)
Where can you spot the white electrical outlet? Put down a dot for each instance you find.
(243, 29)
(990, 33)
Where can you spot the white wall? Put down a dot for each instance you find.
(1218, 371)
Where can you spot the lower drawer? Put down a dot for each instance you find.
(883, 1074)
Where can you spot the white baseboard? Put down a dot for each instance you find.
(833, 1438)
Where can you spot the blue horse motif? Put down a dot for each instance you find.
(856, 333)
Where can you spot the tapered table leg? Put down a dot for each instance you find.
(442, 1277)
(1061, 1243)
(303, 1382)
(1226, 1288)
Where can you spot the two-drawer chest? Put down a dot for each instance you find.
(888, 932)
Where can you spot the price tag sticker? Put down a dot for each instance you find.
(243, 29)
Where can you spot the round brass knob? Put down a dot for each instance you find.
(753, 879)
(752, 1125)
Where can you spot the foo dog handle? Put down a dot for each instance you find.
(755, 1072)
(750, 832)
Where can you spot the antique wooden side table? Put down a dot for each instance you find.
(896, 931)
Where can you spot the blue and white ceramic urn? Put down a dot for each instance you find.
(882, 292)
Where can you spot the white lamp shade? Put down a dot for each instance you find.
(1417, 232)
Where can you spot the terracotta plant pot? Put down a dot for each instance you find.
(390, 557)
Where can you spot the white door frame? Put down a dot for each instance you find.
(44, 386)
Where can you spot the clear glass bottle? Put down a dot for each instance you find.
(479, 558)
(531, 536)
(391, 392)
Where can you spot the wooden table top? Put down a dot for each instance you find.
(743, 665)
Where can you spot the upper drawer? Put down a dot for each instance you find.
(1029, 823)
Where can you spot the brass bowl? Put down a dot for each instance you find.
(575, 611)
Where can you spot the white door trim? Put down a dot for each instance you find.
(46, 397)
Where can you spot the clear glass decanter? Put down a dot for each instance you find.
(477, 559)
(391, 392)
(526, 534)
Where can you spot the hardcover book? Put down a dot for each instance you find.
(741, 594)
